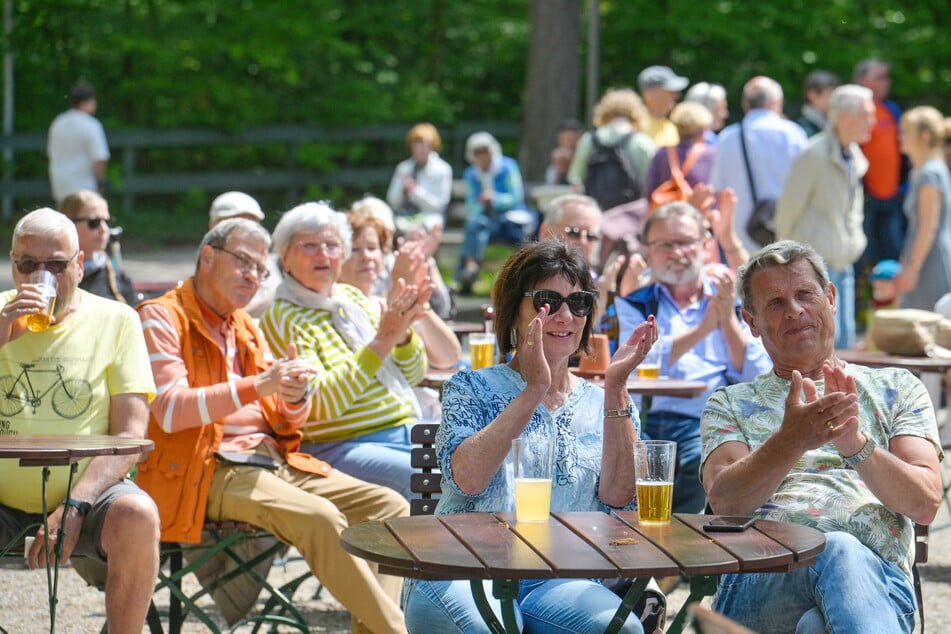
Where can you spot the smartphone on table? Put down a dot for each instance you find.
(728, 523)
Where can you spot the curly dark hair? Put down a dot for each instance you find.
(523, 270)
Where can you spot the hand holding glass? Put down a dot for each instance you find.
(533, 460)
(45, 282)
(654, 462)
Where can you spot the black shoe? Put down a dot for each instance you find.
(467, 280)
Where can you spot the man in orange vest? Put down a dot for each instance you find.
(225, 425)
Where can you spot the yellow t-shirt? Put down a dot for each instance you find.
(662, 132)
(59, 382)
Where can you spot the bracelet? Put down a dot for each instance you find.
(627, 412)
(81, 507)
(863, 453)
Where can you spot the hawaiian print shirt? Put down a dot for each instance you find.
(821, 490)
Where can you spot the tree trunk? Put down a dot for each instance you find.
(552, 81)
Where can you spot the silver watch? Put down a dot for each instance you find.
(863, 453)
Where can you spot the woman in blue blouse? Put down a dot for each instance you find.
(544, 297)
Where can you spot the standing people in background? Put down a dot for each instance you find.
(101, 276)
(713, 96)
(367, 358)
(569, 132)
(817, 89)
(76, 146)
(822, 199)
(772, 144)
(692, 120)
(619, 118)
(848, 450)
(660, 89)
(495, 205)
(111, 526)
(702, 335)
(226, 427)
(422, 184)
(240, 205)
(885, 223)
(926, 255)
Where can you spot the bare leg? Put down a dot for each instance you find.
(130, 538)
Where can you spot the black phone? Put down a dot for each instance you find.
(728, 524)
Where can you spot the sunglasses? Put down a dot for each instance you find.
(56, 267)
(93, 223)
(576, 233)
(579, 303)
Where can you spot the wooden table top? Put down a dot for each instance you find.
(878, 359)
(575, 545)
(56, 450)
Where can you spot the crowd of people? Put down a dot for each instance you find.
(279, 382)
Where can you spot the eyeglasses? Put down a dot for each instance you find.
(247, 265)
(93, 223)
(579, 303)
(576, 233)
(332, 249)
(56, 267)
(668, 247)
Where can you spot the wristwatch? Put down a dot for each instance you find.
(79, 505)
(863, 453)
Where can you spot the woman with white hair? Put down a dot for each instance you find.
(713, 97)
(367, 358)
(495, 205)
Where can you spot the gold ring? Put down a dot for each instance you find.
(830, 424)
(530, 342)
(402, 312)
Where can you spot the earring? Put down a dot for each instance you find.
(513, 338)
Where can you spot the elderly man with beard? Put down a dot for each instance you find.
(702, 335)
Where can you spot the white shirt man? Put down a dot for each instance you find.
(76, 146)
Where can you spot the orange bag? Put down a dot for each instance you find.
(676, 187)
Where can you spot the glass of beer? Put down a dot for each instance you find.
(649, 368)
(45, 282)
(533, 461)
(481, 349)
(654, 462)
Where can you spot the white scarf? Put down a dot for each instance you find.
(353, 323)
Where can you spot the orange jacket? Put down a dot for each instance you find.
(179, 470)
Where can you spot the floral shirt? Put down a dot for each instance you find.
(821, 490)
(472, 400)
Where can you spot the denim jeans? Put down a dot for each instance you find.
(844, 281)
(482, 229)
(689, 496)
(543, 606)
(380, 457)
(849, 589)
(884, 226)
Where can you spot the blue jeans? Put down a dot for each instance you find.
(482, 229)
(884, 226)
(543, 606)
(689, 496)
(844, 281)
(381, 457)
(848, 589)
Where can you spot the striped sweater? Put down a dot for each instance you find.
(348, 400)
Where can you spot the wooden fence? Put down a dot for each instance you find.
(135, 179)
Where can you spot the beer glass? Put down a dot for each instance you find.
(533, 461)
(45, 281)
(654, 462)
(481, 349)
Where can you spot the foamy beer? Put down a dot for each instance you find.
(481, 349)
(533, 461)
(654, 462)
(649, 368)
(45, 281)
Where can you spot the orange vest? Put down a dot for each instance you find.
(179, 470)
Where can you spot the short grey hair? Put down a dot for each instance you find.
(780, 253)
(312, 217)
(867, 66)
(43, 222)
(847, 99)
(558, 206)
(706, 94)
(217, 236)
(761, 92)
(673, 209)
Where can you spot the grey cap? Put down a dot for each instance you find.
(661, 77)
(232, 204)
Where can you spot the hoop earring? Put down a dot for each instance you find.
(513, 338)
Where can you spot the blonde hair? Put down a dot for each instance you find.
(691, 118)
(74, 204)
(425, 132)
(927, 119)
(620, 102)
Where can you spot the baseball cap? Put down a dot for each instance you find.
(661, 77)
(231, 204)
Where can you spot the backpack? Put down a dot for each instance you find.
(612, 176)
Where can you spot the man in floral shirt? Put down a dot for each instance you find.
(849, 450)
